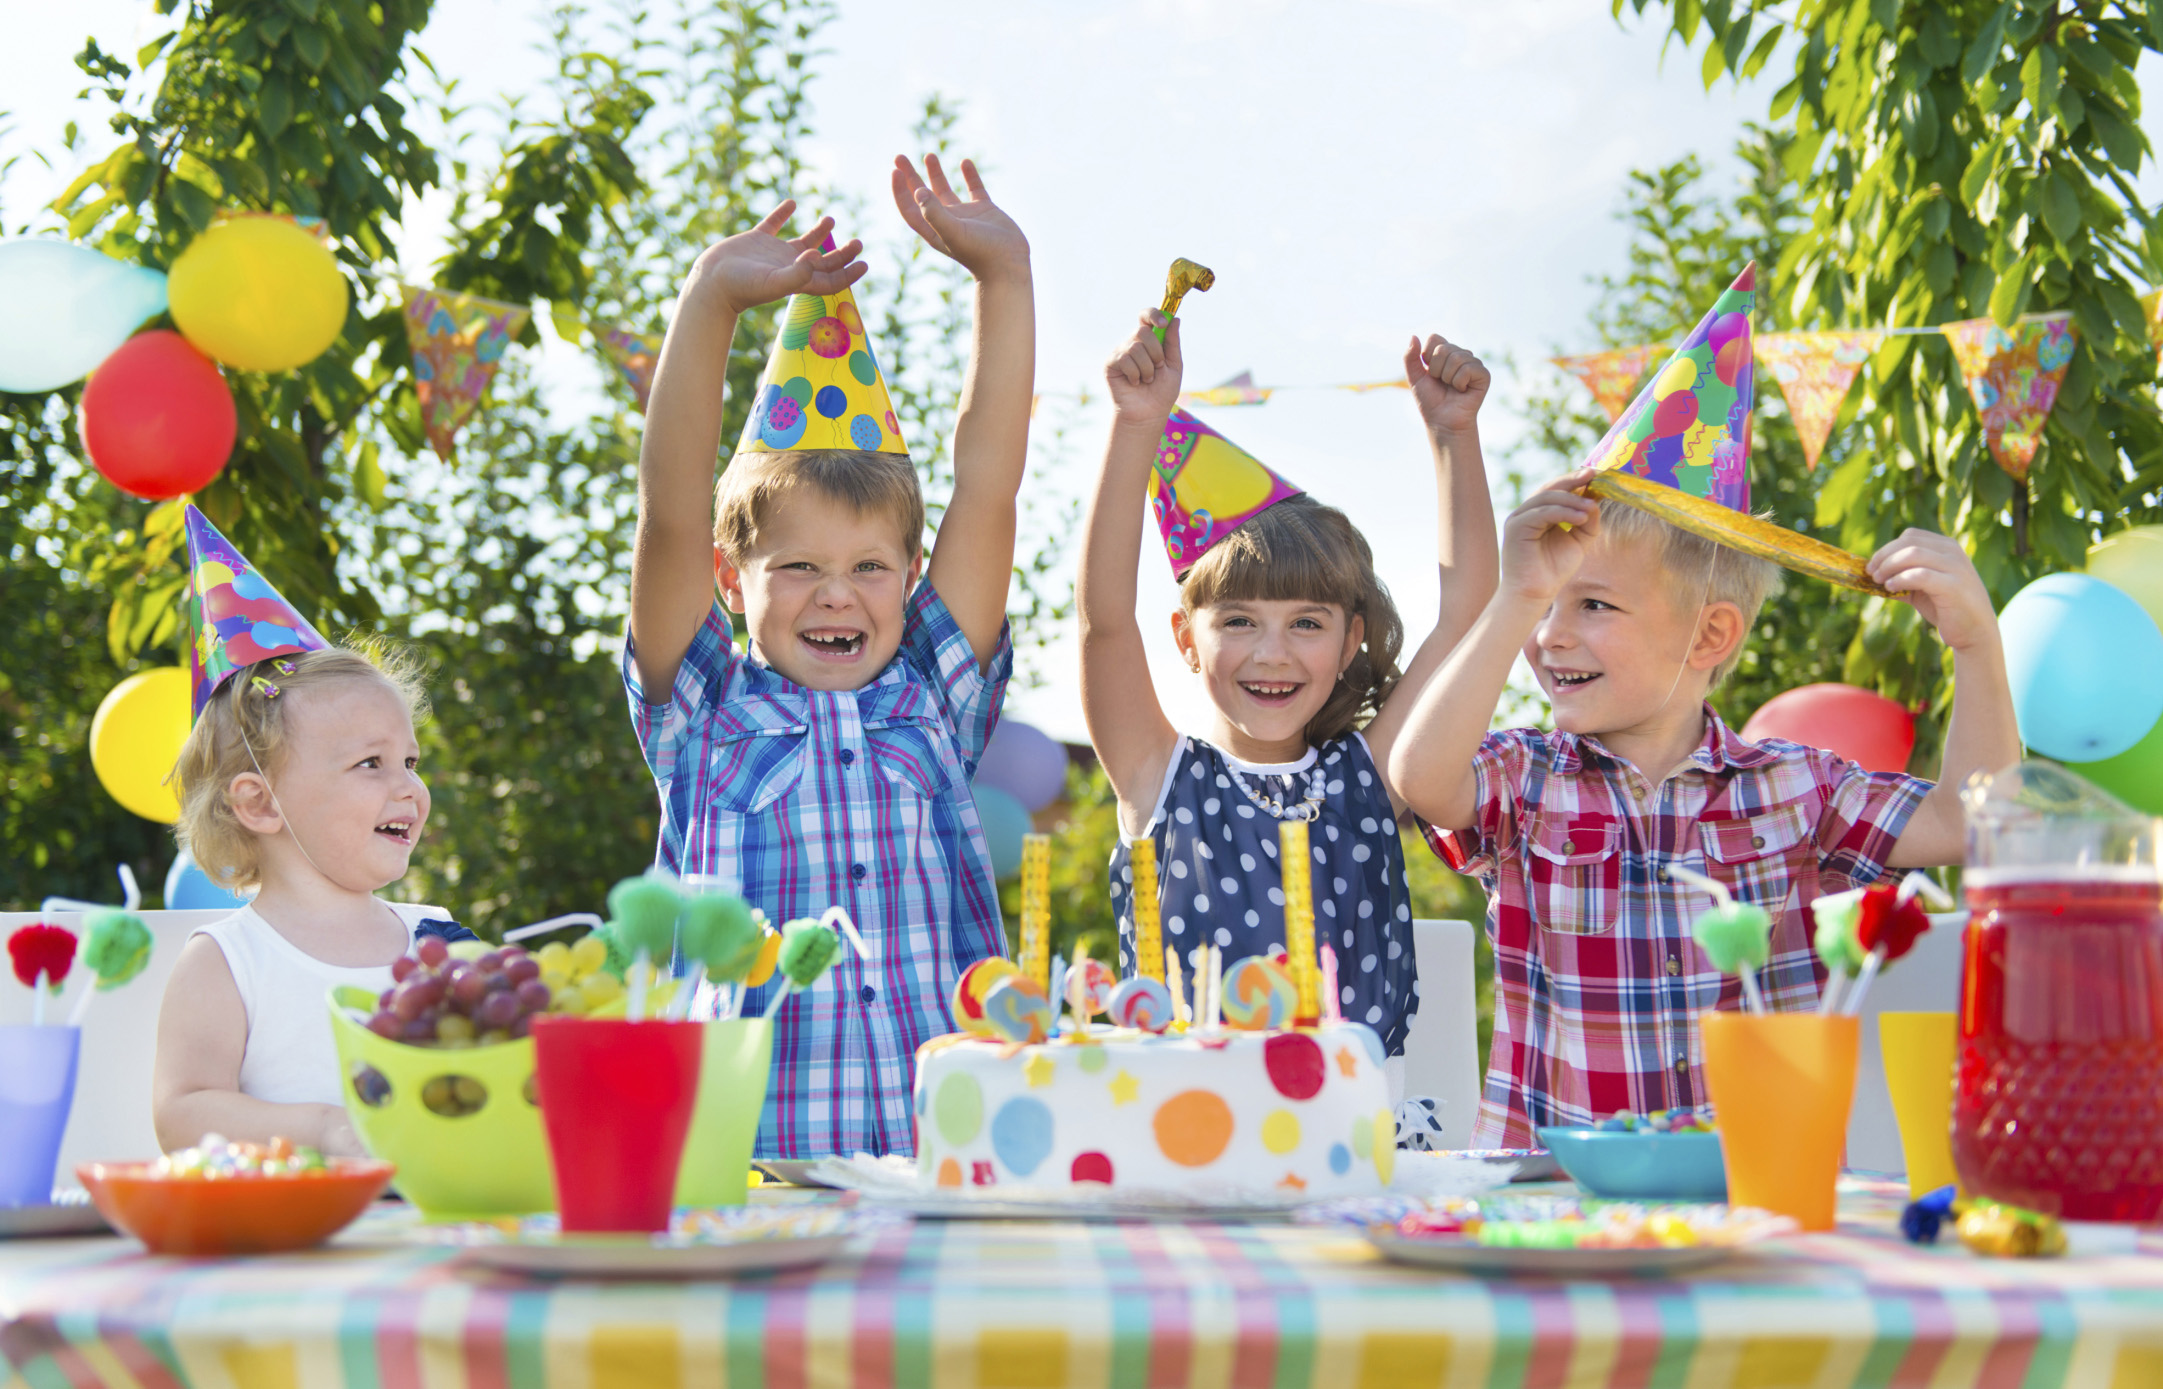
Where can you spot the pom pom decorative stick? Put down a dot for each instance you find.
(1735, 936)
(720, 938)
(1184, 275)
(808, 950)
(41, 951)
(1148, 927)
(116, 947)
(645, 910)
(1294, 849)
(1332, 1011)
(1836, 914)
(1182, 1014)
(1887, 927)
(555, 923)
(1036, 909)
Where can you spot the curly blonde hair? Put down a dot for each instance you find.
(1302, 550)
(244, 728)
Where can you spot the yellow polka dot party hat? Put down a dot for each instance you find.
(823, 388)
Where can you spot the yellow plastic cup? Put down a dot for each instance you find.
(1919, 1050)
(733, 1071)
(1782, 1084)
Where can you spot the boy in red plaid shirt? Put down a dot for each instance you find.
(1628, 623)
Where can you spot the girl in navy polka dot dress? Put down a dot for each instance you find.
(1295, 639)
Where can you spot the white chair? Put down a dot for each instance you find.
(1442, 1047)
(1927, 980)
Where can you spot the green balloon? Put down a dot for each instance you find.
(2134, 776)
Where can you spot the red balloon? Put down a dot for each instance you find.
(157, 418)
(1675, 414)
(1864, 727)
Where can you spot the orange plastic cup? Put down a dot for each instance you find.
(1918, 1050)
(1782, 1084)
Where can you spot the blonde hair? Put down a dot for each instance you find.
(869, 483)
(1698, 571)
(1303, 551)
(244, 728)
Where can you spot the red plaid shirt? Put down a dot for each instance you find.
(1598, 986)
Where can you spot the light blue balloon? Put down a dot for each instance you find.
(1005, 821)
(189, 889)
(2086, 665)
(64, 308)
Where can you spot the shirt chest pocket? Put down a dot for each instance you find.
(913, 753)
(1576, 873)
(1760, 857)
(754, 767)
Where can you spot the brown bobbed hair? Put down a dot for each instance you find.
(1303, 551)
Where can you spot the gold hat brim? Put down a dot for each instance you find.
(1737, 530)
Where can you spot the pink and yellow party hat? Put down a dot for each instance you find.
(1682, 449)
(237, 616)
(1204, 487)
(822, 388)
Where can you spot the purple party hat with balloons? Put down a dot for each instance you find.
(1205, 487)
(238, 617)
(1682, 449)
(822, 388)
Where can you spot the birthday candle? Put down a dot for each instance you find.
(1036, 908)
(1331, 1009)
(1299, 918)
(1181, 1014)
(1148, 934)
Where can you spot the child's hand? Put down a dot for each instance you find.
(977, 232)
(1935, 575)
(339, 1139)
(1448, 382)
(1538, 557)
(759, 266)
(1144, 374)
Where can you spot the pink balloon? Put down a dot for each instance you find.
(1866, 728)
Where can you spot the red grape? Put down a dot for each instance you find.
(431, 988)
(383, 1000)
(525, 967)
(523, 1027)
(422, 1028)
(408, 1002)
(496, 1010)
(432, 951)
(533, 996)
(403, 966)
(468, 989)
(489, 962)
(388, 1025)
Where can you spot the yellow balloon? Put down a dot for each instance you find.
(258, 293)
(1681, 375)
(135, 739)
(2132, 560)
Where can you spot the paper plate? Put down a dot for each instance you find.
(794, 1171)
(71, 1213)
(699, 1243)
(1468, 1256)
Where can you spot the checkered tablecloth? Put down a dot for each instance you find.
(1009, 1305)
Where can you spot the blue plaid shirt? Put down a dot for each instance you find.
(858, 798)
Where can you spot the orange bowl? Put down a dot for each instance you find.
(233, 1215)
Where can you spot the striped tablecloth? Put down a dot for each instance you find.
(1009, 1305)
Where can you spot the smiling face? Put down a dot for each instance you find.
(822, 589)
(347, 787)
(1269, 665)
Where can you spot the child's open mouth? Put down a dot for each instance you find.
(1272, 693)
(399, 830)
(1567, 680)
(833, 643)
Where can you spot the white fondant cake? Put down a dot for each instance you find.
(1295, 1112)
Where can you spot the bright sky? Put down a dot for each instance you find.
(1354, 172)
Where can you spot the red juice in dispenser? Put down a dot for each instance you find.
(2058, 1102)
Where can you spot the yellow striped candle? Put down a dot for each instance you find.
(1148, 932)
(1036, 908)
(1299, 918)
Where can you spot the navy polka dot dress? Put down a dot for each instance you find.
(1219, 882)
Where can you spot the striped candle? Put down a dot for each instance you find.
(1036, 908)
(1148, 932)
(1299, 918)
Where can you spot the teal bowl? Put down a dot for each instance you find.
(1641, 1165)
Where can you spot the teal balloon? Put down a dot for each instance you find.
(64, 308)
(1005, 821)
(2085, 663)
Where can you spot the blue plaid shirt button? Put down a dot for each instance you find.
(858, 872)
(848, 757)
(867, 993)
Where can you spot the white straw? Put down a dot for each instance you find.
(687, 989)
(554, 923)
(1751, 998)
(1702, 883)
(834, 917)
(1836, 981)
(131, 896)
(641, 973)
(1872, 963)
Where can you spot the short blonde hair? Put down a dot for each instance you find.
(875, 484)
(244, 729)
(1698, 571)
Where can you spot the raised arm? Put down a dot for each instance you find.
(1132, 737)
(1981, 735)
(1432, 758)
(1449, 384)
(672, 555)
(991, 432)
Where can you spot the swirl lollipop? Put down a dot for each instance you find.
(1088, 989)
(969, 991)
(1142, 1003)
(1018, 1009)
(1735, 936)
(1259, 994)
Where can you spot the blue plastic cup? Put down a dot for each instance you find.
(37, 1087)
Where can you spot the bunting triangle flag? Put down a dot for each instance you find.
(1682, 449)
(1612, 375)
(457, 340)
(1814, 371)
(238, 618)
(2013, 377)
(1240, 390)
(634, 356)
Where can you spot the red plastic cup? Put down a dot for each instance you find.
(616, 1099)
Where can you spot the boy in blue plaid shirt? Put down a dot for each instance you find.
(829, 763)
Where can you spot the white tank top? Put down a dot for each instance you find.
(290, 1056)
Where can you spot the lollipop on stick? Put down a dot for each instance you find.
(645, 910)
(41, 950)
(1836, 914)
(1887, 927)
(116, 944)
(1735, 936)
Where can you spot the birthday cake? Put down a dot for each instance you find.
(1214, 1113)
